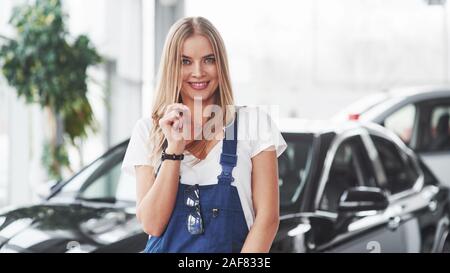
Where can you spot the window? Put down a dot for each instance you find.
(102, 181)
(401, 122)
(104, 187)
(399, 169)
(293, 168)
(440, 128)
(351, 167)
(111, 185)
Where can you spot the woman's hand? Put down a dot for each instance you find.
(172, 123)
(157, 196)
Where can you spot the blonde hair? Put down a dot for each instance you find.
(169, 78)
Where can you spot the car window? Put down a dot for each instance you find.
(112, 185)
(401, 122)
(293, 168)
(101, 181)
(351, 167)
(398, 167)
(440, 128)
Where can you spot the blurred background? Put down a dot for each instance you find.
(310, 57)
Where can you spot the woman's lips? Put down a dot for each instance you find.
(199, 85)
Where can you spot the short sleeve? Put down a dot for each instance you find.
(267, 135)
(139, 147)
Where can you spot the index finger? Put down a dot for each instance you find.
(174, 106)
(178, 107)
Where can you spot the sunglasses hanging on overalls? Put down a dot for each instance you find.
(194, 219)
(207, 219)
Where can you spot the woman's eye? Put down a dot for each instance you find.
(186, 61)
(209, 60)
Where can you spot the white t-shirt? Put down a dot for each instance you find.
(256, 132)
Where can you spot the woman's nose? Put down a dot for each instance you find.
(197, 70)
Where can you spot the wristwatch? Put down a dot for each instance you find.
(165, 156)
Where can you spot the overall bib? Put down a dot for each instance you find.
(224, 225)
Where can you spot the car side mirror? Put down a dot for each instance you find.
(361, 199)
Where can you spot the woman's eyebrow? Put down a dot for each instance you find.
(204, 57)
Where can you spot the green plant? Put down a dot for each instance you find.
(46, 66)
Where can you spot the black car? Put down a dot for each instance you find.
(94, 211)
(357, 188)
(346, 188)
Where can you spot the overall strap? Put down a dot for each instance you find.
(228, 158)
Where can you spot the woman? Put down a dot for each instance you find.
(199, 189)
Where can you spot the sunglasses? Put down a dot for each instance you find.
(192, 201)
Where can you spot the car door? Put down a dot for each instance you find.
(410, 200)
(433, 137)
(352, 166)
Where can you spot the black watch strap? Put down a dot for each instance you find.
(165, 156)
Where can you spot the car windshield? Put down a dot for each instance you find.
(293, 169)
(102, 181)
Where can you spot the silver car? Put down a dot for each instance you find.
(419, 115)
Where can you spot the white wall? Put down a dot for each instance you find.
(314, 57)
(15, 138)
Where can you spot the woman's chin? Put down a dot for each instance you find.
(200, 95)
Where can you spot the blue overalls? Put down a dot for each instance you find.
(224, 225)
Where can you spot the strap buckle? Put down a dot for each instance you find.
(225, 177)
(228, 160)
(226, 174)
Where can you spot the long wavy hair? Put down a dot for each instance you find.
(169, 81)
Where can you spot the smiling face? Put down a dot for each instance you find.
(199, 71)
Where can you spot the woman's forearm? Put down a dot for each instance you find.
(158, 203)
(261, 236)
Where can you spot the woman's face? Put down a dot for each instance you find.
(199, 71)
